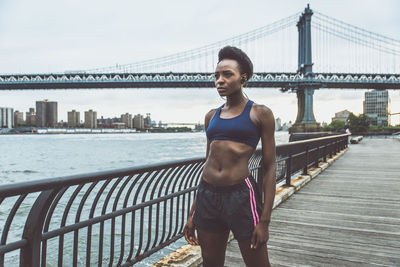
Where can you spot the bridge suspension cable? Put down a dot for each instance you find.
(342, 47)
(207, 52)
(337, 47)
(392, 44)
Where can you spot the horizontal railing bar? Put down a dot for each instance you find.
(283, 178)
(76, 226)
(45, 184)
(294, 155)
(313, 140)
(50, 183)
(13, 246)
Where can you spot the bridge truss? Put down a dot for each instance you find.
(285, 81)
(367, 51)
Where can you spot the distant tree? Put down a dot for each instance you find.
(335, 126)
(358, 124)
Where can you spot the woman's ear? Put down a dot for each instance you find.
(243, 80)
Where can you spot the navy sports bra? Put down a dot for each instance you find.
(239, 129)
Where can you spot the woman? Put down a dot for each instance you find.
(227, 197)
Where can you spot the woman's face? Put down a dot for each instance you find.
(227, 77)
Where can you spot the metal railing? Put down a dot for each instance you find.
(119, 217)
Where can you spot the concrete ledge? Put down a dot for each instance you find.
(313, 172)
(190, 256)
(282, 193)
(323, 165)
(187, 255)
(300, 181)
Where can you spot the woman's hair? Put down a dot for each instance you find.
(244, 62)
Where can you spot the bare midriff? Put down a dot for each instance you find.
(227, 163)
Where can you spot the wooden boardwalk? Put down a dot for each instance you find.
(348, 216)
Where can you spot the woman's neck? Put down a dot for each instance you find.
(235, 100)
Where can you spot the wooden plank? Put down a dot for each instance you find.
(350, 220)
(348, 216)
(366, 248)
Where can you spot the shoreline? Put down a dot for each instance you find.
(41, 131)
(68, 131)
(79, 133)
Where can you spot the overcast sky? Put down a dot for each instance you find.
(55, 36)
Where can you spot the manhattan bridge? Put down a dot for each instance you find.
(300, 53)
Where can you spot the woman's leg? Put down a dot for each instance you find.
(213, 247)
(254, 257)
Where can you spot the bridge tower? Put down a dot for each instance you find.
(305, 120)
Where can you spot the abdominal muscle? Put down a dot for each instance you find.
(227, 163)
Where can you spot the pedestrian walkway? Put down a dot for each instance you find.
(348, 216)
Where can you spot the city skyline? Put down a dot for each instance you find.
(349, 100)
(57, 43)
(46, 115)
(284, 105)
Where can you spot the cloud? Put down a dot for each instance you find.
(42, 36)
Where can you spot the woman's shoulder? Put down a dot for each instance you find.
(262, 110)
(262, 116)
(210, 114)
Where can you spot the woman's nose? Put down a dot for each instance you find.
(219, 80)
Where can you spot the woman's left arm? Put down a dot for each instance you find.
(266, 121)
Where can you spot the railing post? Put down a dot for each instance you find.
(30, 254)
(325, 152)
(306, 165)
(317, 159)
(288, 170)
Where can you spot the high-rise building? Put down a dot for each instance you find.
(109, 122)
(30, 117)
(341, 115)
(138, 121)
(74, 118)
(376, 107)
(90, 119)
(18, 118)
(6, 117)
(147, 121)
(127, 119)
(46, 113)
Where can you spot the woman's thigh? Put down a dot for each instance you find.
(254, 257)
(213, 247)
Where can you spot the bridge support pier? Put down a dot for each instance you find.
(305, 121)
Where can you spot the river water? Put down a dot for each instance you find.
(32, 157)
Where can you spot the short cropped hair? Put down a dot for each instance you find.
(244, 62)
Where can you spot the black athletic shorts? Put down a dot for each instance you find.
(237, 208)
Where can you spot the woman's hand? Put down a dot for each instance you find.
(190, 233)
(260, 235)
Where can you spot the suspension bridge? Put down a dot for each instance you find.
(122, 216)
(345, 57)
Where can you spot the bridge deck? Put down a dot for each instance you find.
(348, 216)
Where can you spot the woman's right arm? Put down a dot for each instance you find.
(189, 229)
